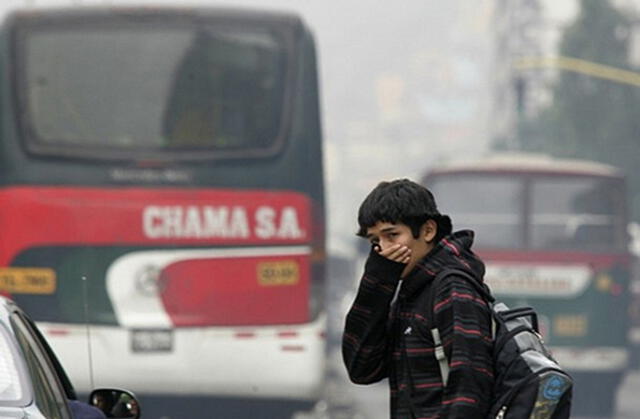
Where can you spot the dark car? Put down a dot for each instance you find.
(34, 384)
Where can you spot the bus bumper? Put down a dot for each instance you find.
(256, 362)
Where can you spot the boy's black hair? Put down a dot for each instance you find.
(402, 201)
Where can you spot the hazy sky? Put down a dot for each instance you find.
(404, 85)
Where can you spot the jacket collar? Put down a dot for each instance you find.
(453, 251)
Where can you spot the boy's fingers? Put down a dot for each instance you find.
(397, 253)
(390, 251)
(385, 252)
(404, 257)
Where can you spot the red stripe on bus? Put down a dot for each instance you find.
(146, 216)
(237, 291)
(58, 332)
(292, 348)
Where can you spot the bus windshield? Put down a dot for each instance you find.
(542, 212)
(103, 88)
(489, 205)
(579, 213)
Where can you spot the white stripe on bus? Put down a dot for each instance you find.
(599, 358)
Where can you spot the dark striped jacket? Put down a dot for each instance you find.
(384, 340)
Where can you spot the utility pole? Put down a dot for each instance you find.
(519, 29)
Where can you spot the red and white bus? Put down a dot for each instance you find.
(553, 235)
(161, 182)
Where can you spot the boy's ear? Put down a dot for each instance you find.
(429, 230)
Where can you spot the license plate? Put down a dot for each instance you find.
(151, 340)
(28, 280)
(279, 273)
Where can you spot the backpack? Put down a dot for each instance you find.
(529, 383)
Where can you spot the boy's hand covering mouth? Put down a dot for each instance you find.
(397, 252)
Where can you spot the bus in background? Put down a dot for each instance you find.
(553, 235)
(162, 194)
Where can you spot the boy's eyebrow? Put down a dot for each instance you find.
(384, 230)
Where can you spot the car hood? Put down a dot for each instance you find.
(30, 412)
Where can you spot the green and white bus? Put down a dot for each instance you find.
(161, 181)
(553, 234)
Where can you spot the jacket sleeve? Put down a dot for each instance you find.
(464, 321)
(364, 341)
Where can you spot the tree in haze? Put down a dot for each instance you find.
(591, 117)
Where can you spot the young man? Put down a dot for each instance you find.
(387, 337)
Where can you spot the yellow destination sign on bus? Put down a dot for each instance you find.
(28, 280)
